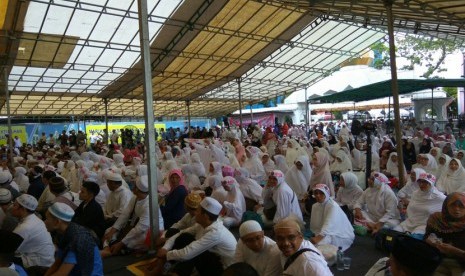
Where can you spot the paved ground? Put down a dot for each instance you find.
(363, 254)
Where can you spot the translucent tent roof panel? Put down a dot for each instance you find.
(106, 30)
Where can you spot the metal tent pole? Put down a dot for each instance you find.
(240, 105)
(188, 103)
(149, 120)
(10, 132)
(306, 113)
(251, 113)
(106, 121)
(395, 90)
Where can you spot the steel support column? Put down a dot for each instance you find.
(149, 119)
(106, 121)
(306, 113)
(188, 103)
(395, 89)
(240, 104)
(7, 101)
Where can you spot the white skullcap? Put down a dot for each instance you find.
(211, 205)
(142, 184)
(61, 211)
(250, 226)
(27, 201)
(5, 196)
(113, 176)
(4, 177)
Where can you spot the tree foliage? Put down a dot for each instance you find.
(418, 50)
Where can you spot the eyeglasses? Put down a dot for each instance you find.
(290, 238)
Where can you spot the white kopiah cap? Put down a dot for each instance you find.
(250, 226)
(211, 205)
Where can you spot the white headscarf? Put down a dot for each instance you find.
(293, 152)
(191, 180)
(249, 187)
(343, 165)
(452, 181)
(321, 173)
(197, 166)
(349, 194)
(411, 186)
(254, 165)
(280, 162)
(235, 201)
(392, 167)
(299, 180)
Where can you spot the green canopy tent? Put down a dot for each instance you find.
(383, 89)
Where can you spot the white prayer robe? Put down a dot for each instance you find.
(330, 221)
(37, 248)
(286, 201)
(379, 205)
(349, 194)
(308, 263)
(267, 262)
(117, 201)
(421, 206)
(215, 238)
(139, 209)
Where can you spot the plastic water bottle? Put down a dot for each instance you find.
(339, 259)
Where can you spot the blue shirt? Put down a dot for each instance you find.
(70, 258)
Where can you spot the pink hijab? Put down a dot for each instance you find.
(179, 173)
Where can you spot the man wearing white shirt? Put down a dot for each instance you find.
(136, 216)
(117, 199)
(258, 250)
(208, 245)
(37, 249)
(298, 256)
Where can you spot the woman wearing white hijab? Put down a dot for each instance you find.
(215, 169)
(321, 173)
(428, 163)
(197, 166)
(251, 190)
(234, 204)
(392, 168)
(453, 180)
(436, 153)
(407, 191)
(349, 191)
(254, 165)
(293, 151)
(377, 206)
(425, 201)
(342, 163)
(282, 196)
(71, 176)
(328, 222)
(443, 165)
(191, 180)
(218, 192)
(280, 162)
(299, 175)
(268, 164)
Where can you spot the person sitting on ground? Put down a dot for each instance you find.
(328, 222)
(445, 230)
(117, 199)
(208, 245)
(89, 213)
(298, 256)
(62, 193)
(279, 201)
(37, 249)
(258, 250)
(10, 242)
(36, 186)
(426, 201)
(46, 198)
(191, 204)
(405, 194)
(377, 206)
(173, 207)
(234, 204)
(77, 254)
(130, 229)
(7, 221)
(348, 193)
